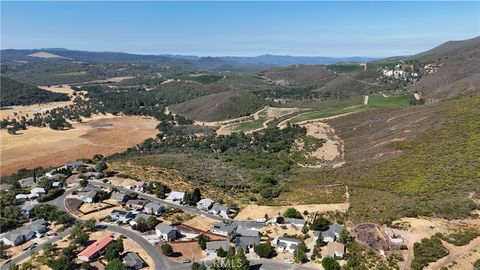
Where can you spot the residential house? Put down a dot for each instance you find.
(132, 261)
(50, 173)
(91, 175)
(225, 229)
(220, 210)
(94, 250)
(74, 165)
(119, 197)
(166, 232)
(140, 186)
(27, 182)
(332, 233)
(90, 196)
(154, 208)
(295, 222)
(333, 249)
(27, 210)
(249, 229)
(175, 197)
(39, 191)
(204, 204)
(25, 233)
(286, 244)
(277, 220)
(247, 242)
(134, 221)
(56, 184)
(213, 246)
(20, 198)
(122, 217)
(136, 204)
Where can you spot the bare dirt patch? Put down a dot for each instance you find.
(201, 223)
(259, 211)
(46, 147)
(331, 152)
(187, 250)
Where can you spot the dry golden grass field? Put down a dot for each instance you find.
(45, 147)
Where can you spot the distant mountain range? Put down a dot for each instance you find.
(206, 62)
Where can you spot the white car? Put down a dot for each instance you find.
(288, 261)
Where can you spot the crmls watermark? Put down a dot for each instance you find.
(229, 264)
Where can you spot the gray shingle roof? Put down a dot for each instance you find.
(214, 245)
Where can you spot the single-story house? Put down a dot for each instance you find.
(136, 204)
(91, 175)
(220, 210)
(286, 244)
(332, 233)
(140, 186)
(166, 232)
(57, 176)
(296, 222)
(56, 184)
(27, 209)
(122, 217)
(74, 165)
(90, 196)
(204, 204)
(225, 229)
(213, 246)
(27, 182)
(95, 249)
(21, 197)
(154, 208)
(244, 231)
(134, 221)
(247, 242)
(175, 197)
(25, 233)
(50, 173)
(119, 197)
(132, 261)
(39, 191)
(333, 249)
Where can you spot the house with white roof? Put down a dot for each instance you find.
(175, 197)
(286, 244)
(204, 204)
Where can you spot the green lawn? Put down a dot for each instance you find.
(393, 101)
(345, 68)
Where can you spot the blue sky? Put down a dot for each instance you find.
(239, 28)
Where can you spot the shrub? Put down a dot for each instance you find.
(264, 250)
(167, 249)
(428, 250)
(330, 263)
(292, 213)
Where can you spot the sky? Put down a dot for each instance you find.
(375, 29)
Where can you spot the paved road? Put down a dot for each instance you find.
(27, 253)
(160, 261)
(142, 195)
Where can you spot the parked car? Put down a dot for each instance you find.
(186, 261)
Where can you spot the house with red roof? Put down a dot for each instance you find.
(95, 249)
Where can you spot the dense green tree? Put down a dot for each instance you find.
(300, 253)
(84, 183)
(114, 249)
(101, 166)
(264, 250)
(292, 213)
(167, 249)
(330, 263)
(221, 253)
(62, 263)
(115, 264)
(202, 241)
